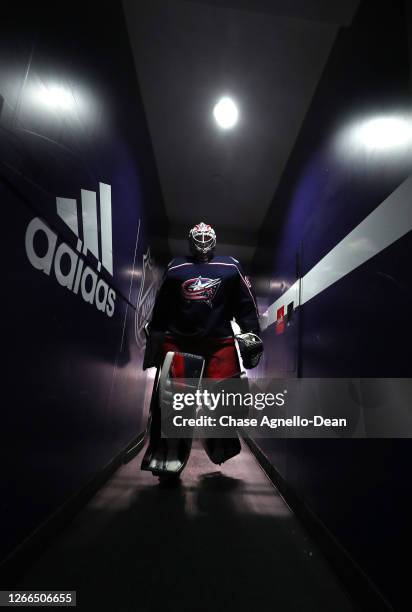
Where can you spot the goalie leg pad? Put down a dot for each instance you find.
(169, 455)
(220, 450)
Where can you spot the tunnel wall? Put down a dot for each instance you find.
(360, 325)
(83, 227)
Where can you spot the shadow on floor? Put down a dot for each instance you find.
(220, 540)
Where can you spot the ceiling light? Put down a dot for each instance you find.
(226, 113)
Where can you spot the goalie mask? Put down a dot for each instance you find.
(202, 241)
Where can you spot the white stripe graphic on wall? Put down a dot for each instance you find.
(391, 220)
(105, 192)
(67, 210)
(89, 217)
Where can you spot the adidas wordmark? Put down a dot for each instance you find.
(79, 278)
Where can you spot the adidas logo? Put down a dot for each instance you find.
(67, 264)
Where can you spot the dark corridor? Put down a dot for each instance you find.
(286, 127)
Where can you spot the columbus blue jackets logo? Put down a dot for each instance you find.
(200, 289)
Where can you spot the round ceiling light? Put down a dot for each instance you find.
(226, 113)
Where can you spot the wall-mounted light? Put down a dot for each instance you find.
(226, 113)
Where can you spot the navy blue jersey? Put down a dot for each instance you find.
(199, 299)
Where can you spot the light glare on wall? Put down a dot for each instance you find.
(385, 132)
(56, 97)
